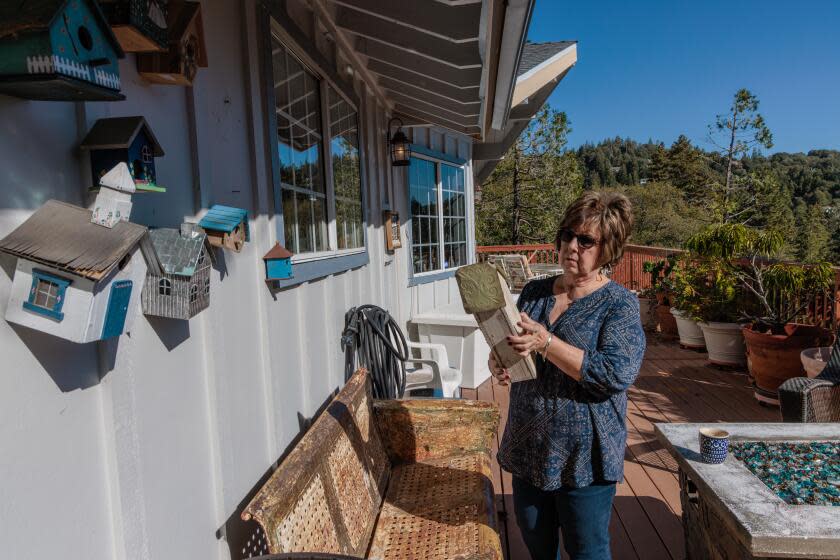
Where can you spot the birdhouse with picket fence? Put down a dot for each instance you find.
(58, 50)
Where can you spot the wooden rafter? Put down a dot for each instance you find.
(457, 55)
(455, 23)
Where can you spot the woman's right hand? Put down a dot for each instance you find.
(501, 374)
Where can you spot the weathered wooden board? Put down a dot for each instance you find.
(480, 286)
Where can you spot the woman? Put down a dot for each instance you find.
(565, 437)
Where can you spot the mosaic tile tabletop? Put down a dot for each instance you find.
(799, 473)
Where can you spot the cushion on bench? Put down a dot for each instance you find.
(432, 456)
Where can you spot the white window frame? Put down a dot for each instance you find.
(277, 33)
(439, 192)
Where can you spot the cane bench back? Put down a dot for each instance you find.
(326, 495)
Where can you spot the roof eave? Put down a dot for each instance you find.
(544, 73)
(514, 35)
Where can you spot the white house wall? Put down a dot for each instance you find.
(145, 446)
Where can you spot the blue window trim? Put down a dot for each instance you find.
(313, 270)
(62, 283)
(415, 279)
(428, 278)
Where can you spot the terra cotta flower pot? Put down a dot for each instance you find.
(667, 322)
(774, 358)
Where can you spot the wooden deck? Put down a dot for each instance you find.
(674, 385)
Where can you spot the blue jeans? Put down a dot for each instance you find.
(581, 514)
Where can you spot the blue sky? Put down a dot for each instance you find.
(661, 68)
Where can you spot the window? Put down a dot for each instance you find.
(206, 286)
(46, 296)
(193, 293)
(318, 218)
(344, 148)
(438, 216)
(165, 287)
(146, 153)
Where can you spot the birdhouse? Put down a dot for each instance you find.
(128, 140)
(58, 50)
(226, 227)
(75, 276)
(113, 203)
(139, 25)
(391, 222)
(185, 52)
(278, 263)
(183, 289)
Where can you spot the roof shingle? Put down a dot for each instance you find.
(534, 54)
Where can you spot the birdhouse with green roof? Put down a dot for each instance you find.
(124, 139)
(58, 50)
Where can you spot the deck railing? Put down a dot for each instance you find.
(629, 272)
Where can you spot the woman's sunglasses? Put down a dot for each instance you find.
(584, 241)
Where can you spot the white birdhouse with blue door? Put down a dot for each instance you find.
(79, 272)
(58, 50)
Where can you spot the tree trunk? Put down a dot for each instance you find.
(515, 235)
(729, 157)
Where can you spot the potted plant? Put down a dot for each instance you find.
(716, 313)
(686, 276)
(660, 290)
(776, 290)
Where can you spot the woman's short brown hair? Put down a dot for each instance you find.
(610, 212)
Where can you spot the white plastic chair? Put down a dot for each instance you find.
(433, 373)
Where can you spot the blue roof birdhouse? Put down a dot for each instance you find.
(58, 50)
(226, 227)
(278, 263)
(124, 139)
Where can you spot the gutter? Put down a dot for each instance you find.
(514, 35)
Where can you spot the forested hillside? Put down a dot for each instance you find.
(676, 189)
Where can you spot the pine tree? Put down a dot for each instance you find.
(736, 134)
(525, 197)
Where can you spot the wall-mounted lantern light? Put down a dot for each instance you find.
(400, 147)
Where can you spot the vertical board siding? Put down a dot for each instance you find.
(163, 432)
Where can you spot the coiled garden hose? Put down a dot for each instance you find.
(372, 337)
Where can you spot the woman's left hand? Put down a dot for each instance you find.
(532, 338)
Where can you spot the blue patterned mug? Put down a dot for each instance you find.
(714, 445)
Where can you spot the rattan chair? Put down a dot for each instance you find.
(805, 399)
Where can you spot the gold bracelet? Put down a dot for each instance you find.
(547, 343)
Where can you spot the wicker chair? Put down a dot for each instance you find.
(516, 268)
(804, 399)
(390, 479)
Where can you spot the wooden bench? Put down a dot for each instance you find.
(385, 479)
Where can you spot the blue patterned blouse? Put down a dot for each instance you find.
(563, 432)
